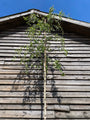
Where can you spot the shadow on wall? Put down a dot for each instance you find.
(33, 87)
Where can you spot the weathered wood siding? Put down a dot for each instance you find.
(21, 96)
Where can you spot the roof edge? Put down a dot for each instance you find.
(31, 11)
(69, 25)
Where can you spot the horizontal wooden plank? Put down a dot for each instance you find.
(20, 67)
(78, 68)
(32, 107)
(30, 77)
(52, 48)
(64, 94)
(39, 88)
(72, 63)
(22, 28)
(80, 107)
(14, 31)
(49, 52)
(54, 41)
(60, 59)
(58, 100)
(70, 119)
(49, 107)
(31, 72)
(17, 33)
(67, 63)
(69, 55)
(1, 62)
(22, 107)
(75, 101)
(76, 77)
(71, 41)
(47, 119)
(50, 63)
(68, 88)
(49, 55)
(69, 82)
(73, 114)
(52, 53)
(49, 72)
(24, 114)
(72, 59)
(69, 72)
(48, 35)
(66, 70)
(49, 77)
(21, 82)
(22, 43)
(69, 36)
(49, 82)
(57, 39)
(82, 94)
(51, 43)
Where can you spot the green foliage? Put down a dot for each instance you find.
(58, 66)
(37, 31)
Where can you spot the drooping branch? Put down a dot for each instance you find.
(41, 26)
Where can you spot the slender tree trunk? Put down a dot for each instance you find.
(45, 107)
(45, 76)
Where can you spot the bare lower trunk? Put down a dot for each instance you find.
(45, 84)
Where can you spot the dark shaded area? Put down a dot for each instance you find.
(54, 89)
(77, 29)
(34, 87)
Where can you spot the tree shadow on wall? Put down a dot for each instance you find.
(33, 87)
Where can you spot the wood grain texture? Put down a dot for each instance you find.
(73, 114)
(21, 96)
(24, 114)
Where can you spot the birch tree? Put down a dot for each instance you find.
(38, 48)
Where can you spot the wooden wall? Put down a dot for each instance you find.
(21, 96)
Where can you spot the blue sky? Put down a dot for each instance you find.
(76, 9)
